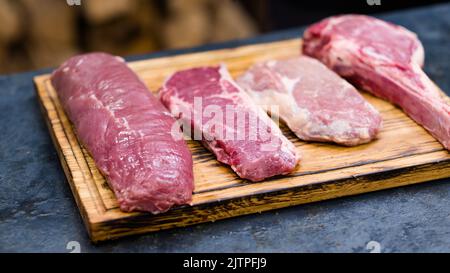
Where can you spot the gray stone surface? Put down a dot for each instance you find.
(38, 212)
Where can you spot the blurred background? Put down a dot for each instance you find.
(43, 33)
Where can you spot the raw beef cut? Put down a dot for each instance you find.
(127, 131)
(228, 123)
(384, 59)
(314, 102)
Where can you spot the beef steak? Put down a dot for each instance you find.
(315, 103)
(228, 123)
(384, 59)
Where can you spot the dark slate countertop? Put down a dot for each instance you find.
(39, 214)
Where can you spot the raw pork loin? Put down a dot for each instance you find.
(314, 102)
(229, 124)
(384, 59)
(127, 131)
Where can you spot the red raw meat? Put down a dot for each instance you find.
(255, 148)
(315, 102)
(127, 131)
(384, 59)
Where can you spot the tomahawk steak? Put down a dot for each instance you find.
(384, 59)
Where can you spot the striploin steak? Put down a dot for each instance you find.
(314, 102)
(127, 131)
(384, 59)
(228, 123)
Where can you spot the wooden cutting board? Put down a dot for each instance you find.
(403, 154)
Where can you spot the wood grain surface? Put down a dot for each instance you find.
(403, 154)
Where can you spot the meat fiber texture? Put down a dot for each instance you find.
(127, 131)
(384, 59)
(228, 123)
(315, 103)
